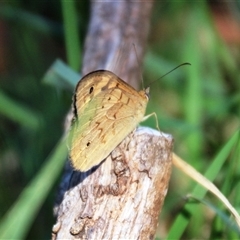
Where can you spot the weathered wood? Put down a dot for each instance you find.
(113, 29)
(122, 197)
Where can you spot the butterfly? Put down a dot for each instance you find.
(106, 109)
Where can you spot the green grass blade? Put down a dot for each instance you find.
(71, 34)
(19, 218)
(30, 20)
(183, 218)
(61, 76)
(222, 215)
(193, 95)
(18, 113)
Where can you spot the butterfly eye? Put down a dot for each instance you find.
(109, 98)
(91, 90)
(88, 144)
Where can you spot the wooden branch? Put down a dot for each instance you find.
(123, 196)
(114, 27)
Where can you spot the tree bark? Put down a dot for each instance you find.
(121, 198)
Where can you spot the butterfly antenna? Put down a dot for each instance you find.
(139, 70)
(182, 64)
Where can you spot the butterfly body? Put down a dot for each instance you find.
(106, 110)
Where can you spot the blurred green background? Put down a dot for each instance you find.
(197, 104)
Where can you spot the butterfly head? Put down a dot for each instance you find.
(147, 91)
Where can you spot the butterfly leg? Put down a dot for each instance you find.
(156, 119)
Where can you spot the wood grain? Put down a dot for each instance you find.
(122, 198)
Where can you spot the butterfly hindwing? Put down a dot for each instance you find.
(107, 109)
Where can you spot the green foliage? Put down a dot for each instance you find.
(20, 217)
(197, 104)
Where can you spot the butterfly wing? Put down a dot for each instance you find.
(107, 110)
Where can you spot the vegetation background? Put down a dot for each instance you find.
(198, 105)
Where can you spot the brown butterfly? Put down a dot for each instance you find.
(106, 110)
